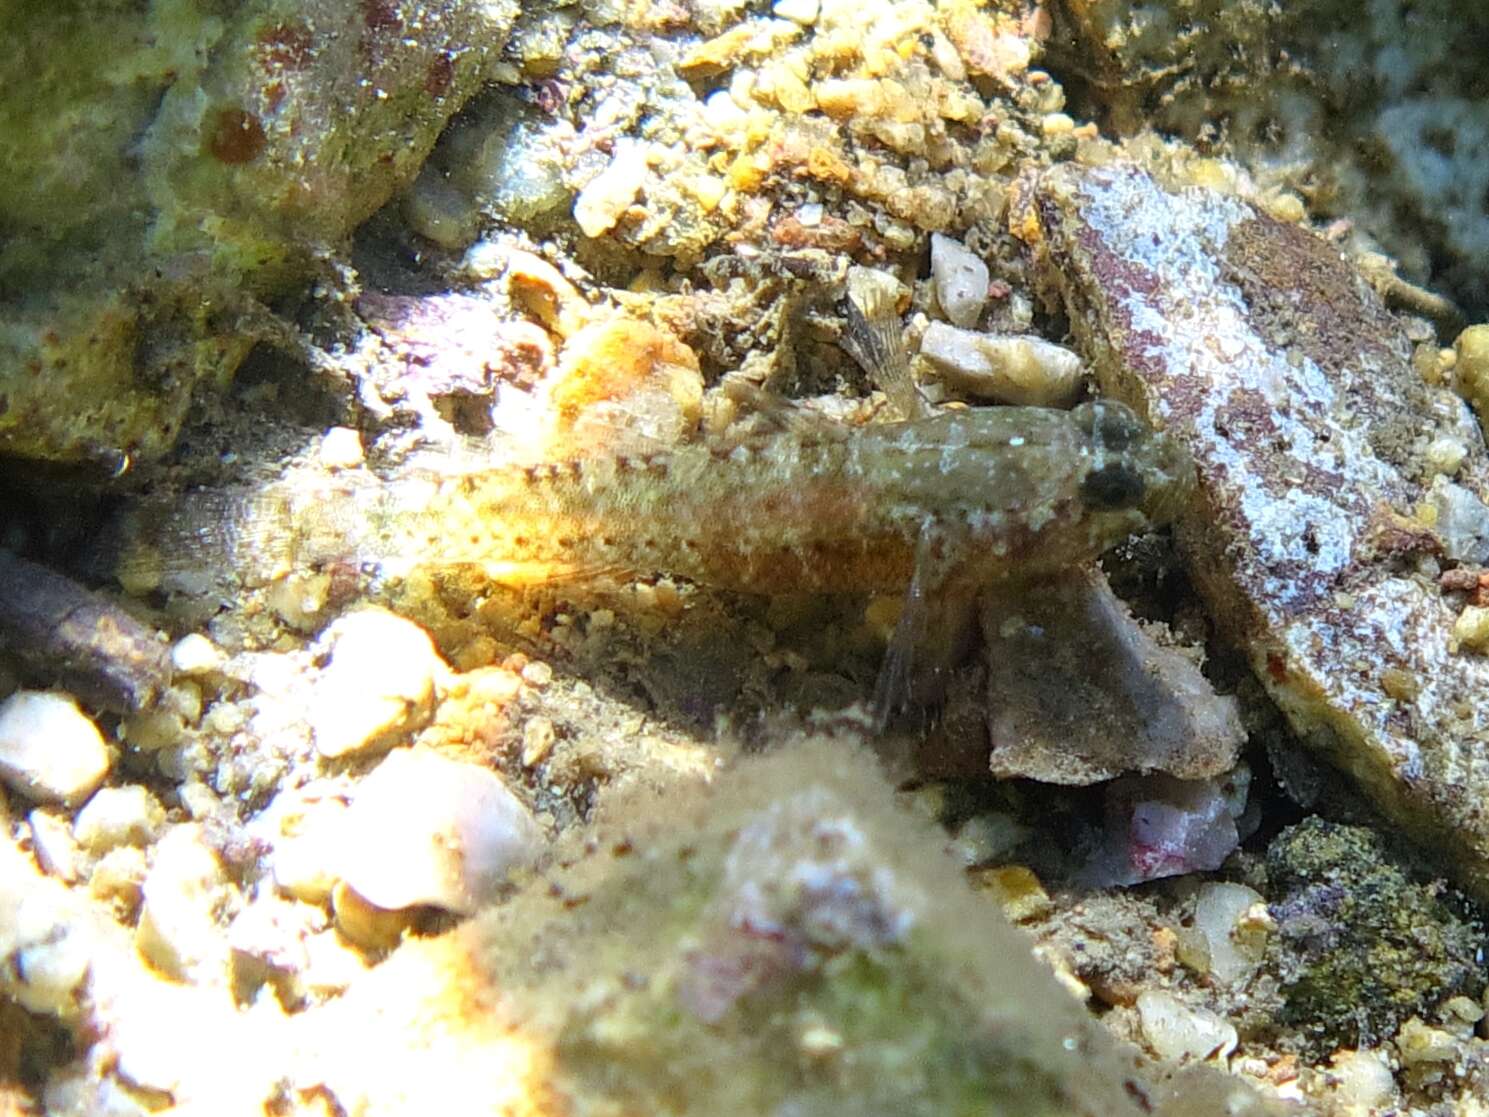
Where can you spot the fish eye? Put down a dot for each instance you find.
(1112, 425)
(1113, 485)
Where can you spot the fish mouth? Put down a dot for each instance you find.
(1174, 480)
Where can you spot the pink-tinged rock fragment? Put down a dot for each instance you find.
(1157, 826)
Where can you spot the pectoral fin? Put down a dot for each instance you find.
(933, 629)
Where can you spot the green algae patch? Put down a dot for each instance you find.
(1362, 946)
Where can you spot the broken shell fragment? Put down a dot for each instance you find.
(1079, 692)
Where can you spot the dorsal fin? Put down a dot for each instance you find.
(873, 337)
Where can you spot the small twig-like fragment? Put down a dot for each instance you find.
(60, 630)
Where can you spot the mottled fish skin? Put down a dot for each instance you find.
(1259, 347)
(965, 498)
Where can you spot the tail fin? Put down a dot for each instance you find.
(209, 540)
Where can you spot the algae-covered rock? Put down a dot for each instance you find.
(1373, 112)
(787, 942)
(1265, 352)
(169, 165)
(1363, 946)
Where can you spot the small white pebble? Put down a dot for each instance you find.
(1235, 950)
(118, 816)
(1471, 367)
(119, 877)
(803, 12)
(341, 448)
(1462, 521)
(1418, 1043)
(46, 943)
(56, 852)
(1471, 631)
(225, 718)
(537, 741)
(200, 801)
(153, 729)
(303, 825)
(1462, 1011)
(606, 198)
(1362, 1082)
(185, 699)
(1445, 455)
(495, 686)
(945, 55)
(424, 829)
(984, 838)
(1056, 124)
(484, 260)
(194, 654)
(537, 674)
(303, 868)
(50, 751)
(1180, 1033)
(178, 932)
(723, 113)
(1017, 370)
(299, 598)
(961, 280)
(378, 685)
